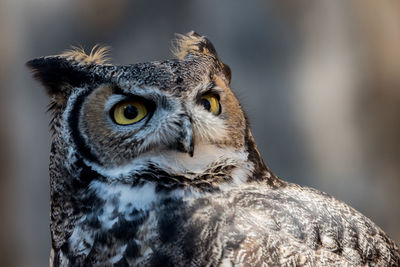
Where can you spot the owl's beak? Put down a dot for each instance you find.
(186, 140)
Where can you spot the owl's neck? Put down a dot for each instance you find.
(210, 167)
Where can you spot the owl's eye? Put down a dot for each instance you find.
(211, 103)
(129, 112)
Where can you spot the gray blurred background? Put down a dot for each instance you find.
(320, 81)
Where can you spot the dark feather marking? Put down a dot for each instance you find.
(55, 110)
(92, 221)
(86, 175)
(160, 259)
(103, 238)
(65, 248)
(171, 220)
(132, 250)
(57, 74)
(191, 240)
(73, 121)
(169, 225)
(57, 260)
(179, 80)
(121, 263)
(167, 181)
(125, 229)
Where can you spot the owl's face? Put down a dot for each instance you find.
(121, 123)
(115, 115)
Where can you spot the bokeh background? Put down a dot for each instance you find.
(320, 81)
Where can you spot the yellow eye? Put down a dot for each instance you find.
(211, 103)
(129, 112)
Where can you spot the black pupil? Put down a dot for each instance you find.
(206, 104)
(130, 112)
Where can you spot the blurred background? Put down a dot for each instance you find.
(320, 81)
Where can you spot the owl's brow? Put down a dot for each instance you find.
(210, 88)
(152, 98)
(117, 90)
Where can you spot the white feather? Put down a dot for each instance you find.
(177, 162)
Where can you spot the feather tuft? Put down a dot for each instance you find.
(98, 55)
(192, 43)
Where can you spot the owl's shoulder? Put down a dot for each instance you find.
(298, 224)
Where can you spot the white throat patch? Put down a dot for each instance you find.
(175, 162)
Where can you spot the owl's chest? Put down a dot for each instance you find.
(130, 224)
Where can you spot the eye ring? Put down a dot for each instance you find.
(211, 103)
(129, 112)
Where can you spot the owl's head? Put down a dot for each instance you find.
(113, 116)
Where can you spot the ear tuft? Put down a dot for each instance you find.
(192, 43)
(98, 55)
(57, 74)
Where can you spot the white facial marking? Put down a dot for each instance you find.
(175, 162)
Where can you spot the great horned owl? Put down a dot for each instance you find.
(154, 164)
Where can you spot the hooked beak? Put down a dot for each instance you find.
(186, 140)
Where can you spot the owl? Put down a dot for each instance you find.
(154, 164)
